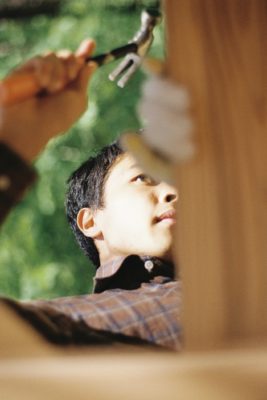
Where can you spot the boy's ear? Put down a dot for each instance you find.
(87, 224)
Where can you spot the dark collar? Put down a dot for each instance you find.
(130, 272)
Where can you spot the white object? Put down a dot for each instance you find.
(167, 137)
(164, 108)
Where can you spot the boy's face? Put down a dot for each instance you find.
(138, 212)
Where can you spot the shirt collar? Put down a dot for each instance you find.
(109, 268)
(130, 272)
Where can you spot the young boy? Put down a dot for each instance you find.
(122, 219)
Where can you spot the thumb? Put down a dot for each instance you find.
(85, 49)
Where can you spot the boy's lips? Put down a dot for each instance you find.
(169, 215)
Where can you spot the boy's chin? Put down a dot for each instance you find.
(165, 254)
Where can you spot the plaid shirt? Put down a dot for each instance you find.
(146, 312)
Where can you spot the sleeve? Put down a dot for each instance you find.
(62, 329)
(15, 177)
(149, 316)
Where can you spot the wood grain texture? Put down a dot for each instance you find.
(19, 340)
(234, 375)
(218, 49)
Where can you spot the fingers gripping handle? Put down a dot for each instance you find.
(20, 87)
(17, 88)
(23, 86)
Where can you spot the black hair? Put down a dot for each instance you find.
(86, 189)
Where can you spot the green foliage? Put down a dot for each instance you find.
(38, 254)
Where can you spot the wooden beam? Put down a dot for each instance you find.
(218, 50)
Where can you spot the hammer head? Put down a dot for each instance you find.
(144, 37)
(143, 40)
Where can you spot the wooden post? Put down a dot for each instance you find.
(218, 50)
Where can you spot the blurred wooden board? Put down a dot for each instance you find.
(18, 339)
(33, 369)
(218, 50)
(233, 375)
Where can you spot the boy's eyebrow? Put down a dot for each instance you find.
(129, 169)
(135, 165)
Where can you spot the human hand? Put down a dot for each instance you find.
(27, 126)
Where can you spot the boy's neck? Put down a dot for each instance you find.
(105, 260)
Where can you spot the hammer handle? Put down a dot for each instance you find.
(23, 86)
(114, 54)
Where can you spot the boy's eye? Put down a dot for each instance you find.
(143, 178)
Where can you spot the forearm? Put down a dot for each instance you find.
(26, 126)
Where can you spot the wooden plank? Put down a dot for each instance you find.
(33, 369)
(18, 339)
(231, 375)
(217, 49)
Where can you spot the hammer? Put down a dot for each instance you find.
(24, 86)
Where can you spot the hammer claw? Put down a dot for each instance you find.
(134, 52)
(129, 65)
(123, 66)
(134, 62)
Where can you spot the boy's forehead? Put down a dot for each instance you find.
(123, 165)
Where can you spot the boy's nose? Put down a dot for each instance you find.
(167, 193)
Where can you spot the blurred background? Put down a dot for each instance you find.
(39, 257)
